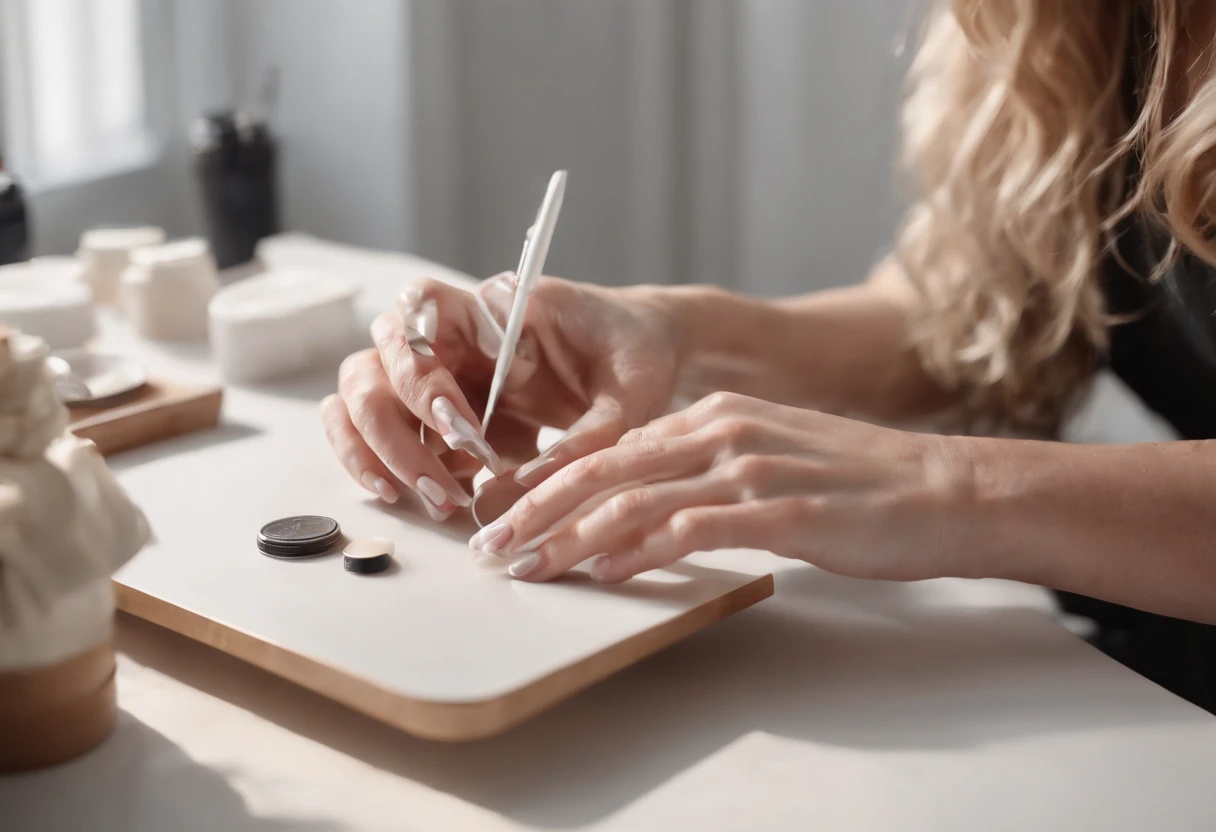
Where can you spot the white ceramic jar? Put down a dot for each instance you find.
(166, 289)
(282, 322)
(46, 297)
(104, 254)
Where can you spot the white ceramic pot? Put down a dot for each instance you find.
(282, 322)
(46, 297)
(65, 526)
(104, 254)
(166, 289)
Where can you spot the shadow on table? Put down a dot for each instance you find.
(226, 431)
(141, 782)
(312, 385)
(826, 661)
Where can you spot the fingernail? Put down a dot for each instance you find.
(380, 486)
(601, 569)
(425, 321)
(432, 491)
(492, 538)
(460, 497)
(438, 515)
(524, 566)
(488, 339)
(523, 365)
(460, 435)
(500, 295)
(408, 300)
(525, 472)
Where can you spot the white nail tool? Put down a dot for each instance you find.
(531, 264)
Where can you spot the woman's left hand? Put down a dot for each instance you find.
(737, 472)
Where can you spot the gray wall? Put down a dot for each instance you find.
(745, 142)
(819, 99)
(342, 112)
(347, 156)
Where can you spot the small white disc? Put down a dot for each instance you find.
(369, 547)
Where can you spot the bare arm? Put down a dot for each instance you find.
(842, 351)
(1132, 524)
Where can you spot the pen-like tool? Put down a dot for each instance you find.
(532, 263)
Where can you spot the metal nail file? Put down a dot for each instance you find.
(532, 263)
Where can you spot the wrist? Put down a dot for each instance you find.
(693, 316)
(1004, 525)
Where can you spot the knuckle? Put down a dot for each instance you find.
(750, 468)
(616, 422)
(582, 471)
(720, 401)
(370, 411)
(329, 405)
(426, 286)
(687, 528)
(633, 436)
(730, 435)
(625, 505)
(525, 511)
(356, 363)
(648, 449)
(361, 400)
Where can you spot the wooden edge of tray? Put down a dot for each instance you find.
(446, 721)
(164, 410)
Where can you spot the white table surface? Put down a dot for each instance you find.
(836, 704)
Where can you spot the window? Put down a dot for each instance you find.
(75, 97)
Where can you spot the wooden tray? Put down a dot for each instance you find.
(444, 645)
(156, 411)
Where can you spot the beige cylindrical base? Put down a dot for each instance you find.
(49, 715)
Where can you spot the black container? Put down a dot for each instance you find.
(14, 222)
(235, 160)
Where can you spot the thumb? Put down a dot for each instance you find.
(600, 427)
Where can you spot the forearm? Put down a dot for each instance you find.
(1132, 524)
(841, 351)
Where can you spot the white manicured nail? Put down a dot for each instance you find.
(459, 434)
(425, 321)
(499, 294)
(436, 514)
(380, 486)
(601, 568)
(521, 476)
(408, 300)
(492, 538)
(488, 339)
(432, 491)
(524, 566)
(460, 498)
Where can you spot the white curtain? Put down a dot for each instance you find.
(76, 91)
(741, 142)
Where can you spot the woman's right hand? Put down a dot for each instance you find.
(592, 360)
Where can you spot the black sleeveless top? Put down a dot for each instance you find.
(1165, 352)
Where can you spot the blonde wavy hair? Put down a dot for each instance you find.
(1017, 139)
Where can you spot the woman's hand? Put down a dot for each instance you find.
(733, 471)
(592, 360)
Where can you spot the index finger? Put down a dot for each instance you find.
(429, 391)
(584, 484)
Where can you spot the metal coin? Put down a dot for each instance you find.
(298, 536)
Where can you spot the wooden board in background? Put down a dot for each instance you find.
(158, 410)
